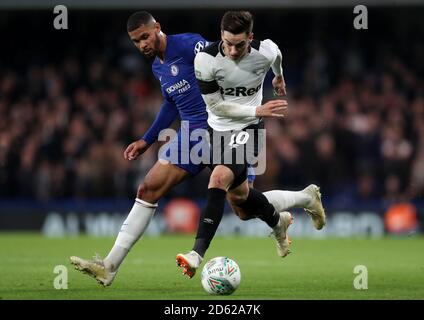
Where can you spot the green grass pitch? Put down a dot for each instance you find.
(317, 269)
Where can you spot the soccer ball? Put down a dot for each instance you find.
(221, 275)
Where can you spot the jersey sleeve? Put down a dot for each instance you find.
(203, 68)
(166, 116)
(271, 51)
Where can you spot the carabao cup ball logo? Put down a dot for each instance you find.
(220, 275)
(174, 70)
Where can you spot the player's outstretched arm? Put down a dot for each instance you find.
(166, 116)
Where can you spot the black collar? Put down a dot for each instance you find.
(221, 50)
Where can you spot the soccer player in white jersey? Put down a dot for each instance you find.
(231, 74)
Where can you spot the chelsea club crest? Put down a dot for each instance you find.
(174, 70)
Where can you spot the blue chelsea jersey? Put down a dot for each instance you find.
(176, 76)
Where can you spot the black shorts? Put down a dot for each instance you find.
(236, 149)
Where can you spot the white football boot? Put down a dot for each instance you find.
(94, 268)
(315, 209)
(189, 262)
(279, 233)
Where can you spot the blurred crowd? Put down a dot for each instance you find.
(355, 123)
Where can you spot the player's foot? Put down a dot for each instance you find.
(94, 268)
(279, 233)
(189, 262)
(315, 209)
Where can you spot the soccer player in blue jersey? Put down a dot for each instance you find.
(173, 66)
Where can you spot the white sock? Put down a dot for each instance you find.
(283, 200)
(132, 229)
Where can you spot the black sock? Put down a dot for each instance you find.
(258, 205)
(209, 220)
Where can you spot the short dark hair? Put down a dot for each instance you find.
(137, 19)
(237, 22)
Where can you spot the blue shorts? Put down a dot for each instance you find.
(187, 154)
(181, 149)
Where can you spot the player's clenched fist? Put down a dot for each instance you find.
(272, 109)
(135, 149)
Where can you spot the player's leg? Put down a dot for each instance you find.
(247, 202)
(256, 205)
(243, 200)
(250, 181)
(309, 199)
(159, 180)
(226, 176)
(220, 180)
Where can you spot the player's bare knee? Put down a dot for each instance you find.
(140, 191)
(220, 179)
(220, 183)
(148, 192)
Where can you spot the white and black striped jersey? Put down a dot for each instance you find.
(241, 82)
